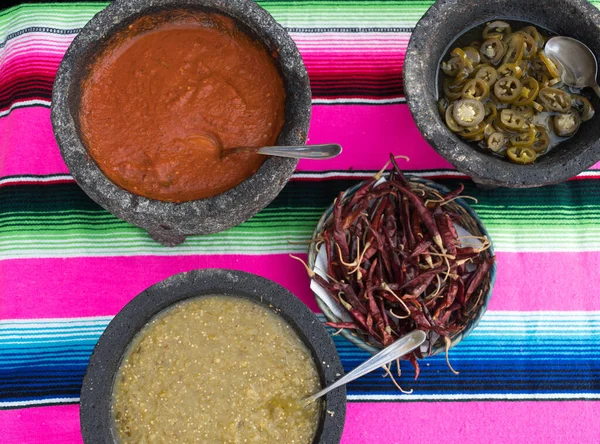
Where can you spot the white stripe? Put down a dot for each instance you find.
(54, 335)
(496, 319)
(25, 332)
(20, 104)
(378, 397)
(312, 175)
(517, 314)
(477, 396)
(589, 173)
(179, 251)
(39, 179)
(217, 242)
(57, 322)
(49, 341)
(38, 402)
(368, 174)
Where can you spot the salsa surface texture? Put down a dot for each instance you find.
(216, 369)
(168, 93)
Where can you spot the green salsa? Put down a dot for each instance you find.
(216, 369)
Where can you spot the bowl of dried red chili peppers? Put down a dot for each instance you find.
(400, 253)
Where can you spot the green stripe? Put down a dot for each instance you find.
(296, 14)
(59, 219)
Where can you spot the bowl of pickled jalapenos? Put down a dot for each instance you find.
(489, 99)
(503, 93)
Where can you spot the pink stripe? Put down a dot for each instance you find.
(367, 133)
(34, 58)
(473, 422)
(546, 281)
(27, 145)
(50, 425)
(78, 287)
(366, 423)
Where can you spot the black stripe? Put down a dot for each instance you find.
(51, 198)
(45, 29)
(16, 394)
(23, 96)
(11, 92)
(74, 377)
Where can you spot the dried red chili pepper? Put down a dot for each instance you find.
(396, 264)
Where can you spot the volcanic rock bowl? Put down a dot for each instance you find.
(97, 423)
(430, 41)
(170, 223)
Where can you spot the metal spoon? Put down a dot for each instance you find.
(579, 64)
(402, 346)
(324, 151)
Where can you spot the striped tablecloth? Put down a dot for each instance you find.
(529, 373)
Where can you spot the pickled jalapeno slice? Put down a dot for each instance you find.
(492, 50)
(521, 156)
(524, 139)
(529, 91)
(468, 112)
(542, 140)
(450, 122)
(507, 89)
(515, 49)
(496, 29)
(496, 142)
(585, 108)
(565, 125)
(476, 89)
(510, 69)
(555, 99)
(513, 121)
(487, 73)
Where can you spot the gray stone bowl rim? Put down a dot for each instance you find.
(484, 168)
(97, 425)
(174, 221)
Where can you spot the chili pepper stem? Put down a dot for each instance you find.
(474, 199)
(438, 241)
(443, 255)
(378, 175)
(389, 373)
(397, 316)
(310, 272)
(448, 342)
(439, 287)
(387, 288)
(387, 164)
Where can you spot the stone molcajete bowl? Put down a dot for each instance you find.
(97, 424)
(430, 41)
(170, 223)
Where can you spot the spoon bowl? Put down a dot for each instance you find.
(324, 151)
(578, 62)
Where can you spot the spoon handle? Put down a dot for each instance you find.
(596, 89)
(402, 346)
(325, 151)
